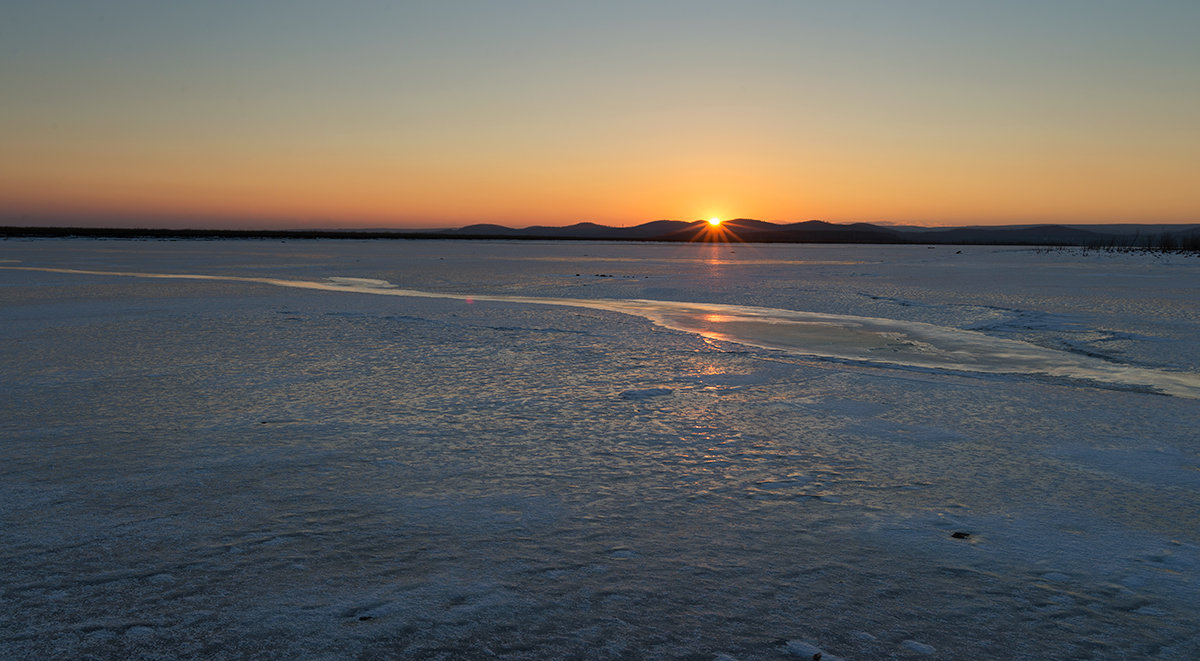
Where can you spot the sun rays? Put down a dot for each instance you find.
(715, 230)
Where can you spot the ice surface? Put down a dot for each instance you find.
(691, 452)
(845, 337)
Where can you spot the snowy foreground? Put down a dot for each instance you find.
(392, 449)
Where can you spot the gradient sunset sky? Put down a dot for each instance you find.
(427, 114)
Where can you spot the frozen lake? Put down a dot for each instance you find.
(526, 450)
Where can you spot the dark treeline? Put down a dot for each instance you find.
(676, 231)
(158, 233)
(1161, 242)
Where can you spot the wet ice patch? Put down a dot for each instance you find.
(645, 393)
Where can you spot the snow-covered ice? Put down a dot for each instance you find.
(457, 449)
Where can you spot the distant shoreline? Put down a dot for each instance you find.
(1186, 238)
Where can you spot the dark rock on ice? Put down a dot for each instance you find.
(960, 535)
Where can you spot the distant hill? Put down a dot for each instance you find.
(651, 230)
(818, 231)
(758, 231)
(1166, 237)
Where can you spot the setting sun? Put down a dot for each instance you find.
(714, 221)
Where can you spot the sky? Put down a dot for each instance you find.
(435, 114)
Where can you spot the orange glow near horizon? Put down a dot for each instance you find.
(198, 190)
(167, 194)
